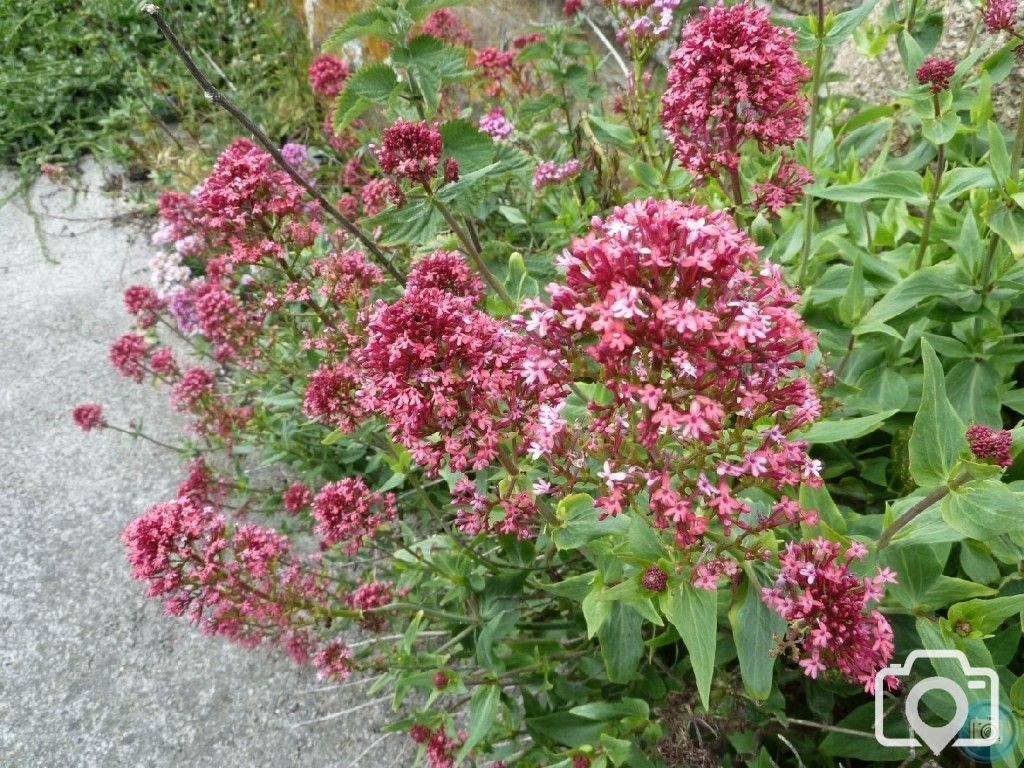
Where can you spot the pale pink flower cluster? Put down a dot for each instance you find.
(698, 353)
(643, 21)
(496, 125)
(548, 173)
(828, 607)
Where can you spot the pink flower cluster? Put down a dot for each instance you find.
(496, 125)
(447, 271)
(243, 583)
(991, 444)
(698, 351)
(734, 77)
(88, 416)
(643, 21)
(1000, 15)
(828, 609)
(332, 396)
(444, 24)
(348, 512)
(327, 75)
(410, 151)
(128, 356)
(936, 73)
(784, 188)
(441, 748)
(548, 173)
(445, 375)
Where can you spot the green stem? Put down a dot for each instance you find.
(932, 498)
(474, 254)
(1018, 144)
(812, 133)
(926, 227)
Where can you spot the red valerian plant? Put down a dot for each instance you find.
(561, 455)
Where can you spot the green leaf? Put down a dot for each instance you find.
(613, 710)
(998, 156)
(464, 141)
(866, 746)
(837, 430)
(1008, 223)
(369, 23)
(596, 610)
(483, 712)
(565, 728)
(938, 437)
(433, 64)
(694, 614)
(898, 185)
(918, 566)
(940, 131)
(575, 588)
(960, 180)
(972, 385)
(616, 134)
(845, 23)
(947, 590)
(372, 84)
(985, 616)
(984, 509)
(622, 643)
(937, 281)
(851, 305)
(512, 215)
(334, 437)
(581, 523)
(754, 626)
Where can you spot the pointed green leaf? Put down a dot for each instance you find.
(694, 614)
(754, 627)
(938, 437)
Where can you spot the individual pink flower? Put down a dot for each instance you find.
(734, 77)
(496, 125)
(128, 356)
(828, 608)
(1000, 15)
(297, 498)
(549, 173)
(785, 188)
(89, 416)
(444, 24)
(327, 75)
(992, 444)
(436, 365)
(410, 151)
(448, 271)
(348, 512)
(936, 73)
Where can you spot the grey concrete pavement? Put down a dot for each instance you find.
(91, 672)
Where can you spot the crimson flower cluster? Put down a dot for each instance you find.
(444, 24)
(445, 375)
(327, 75)
(348, 512)
(831, 623)
(698, 352)
(88, 416)
(1000, 15)
(734, 77)
(936, 73)
(410, 151)
(991, 444)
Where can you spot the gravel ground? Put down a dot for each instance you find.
(91, 672)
